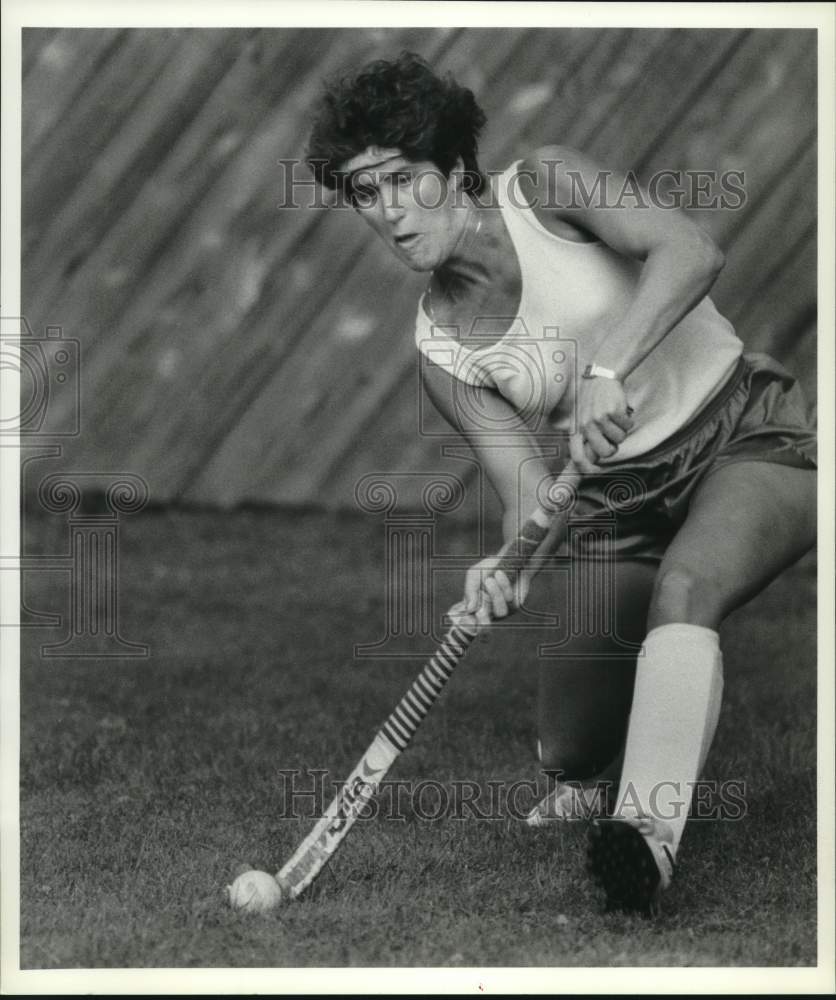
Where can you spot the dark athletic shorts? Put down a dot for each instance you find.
(634, 509)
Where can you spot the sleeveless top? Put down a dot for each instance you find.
(573, 294)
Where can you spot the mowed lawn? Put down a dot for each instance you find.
(146, 783)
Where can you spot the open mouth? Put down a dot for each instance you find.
(406, 241)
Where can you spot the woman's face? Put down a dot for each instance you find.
(412, 208)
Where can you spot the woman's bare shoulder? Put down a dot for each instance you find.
(550, 179)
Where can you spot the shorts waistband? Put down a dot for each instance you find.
(702, 416)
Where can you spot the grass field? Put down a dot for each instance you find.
(145, 783)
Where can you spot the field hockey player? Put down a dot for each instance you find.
(659, 391)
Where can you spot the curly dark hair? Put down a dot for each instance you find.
(399, 103)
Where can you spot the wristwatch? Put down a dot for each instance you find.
(597, 371)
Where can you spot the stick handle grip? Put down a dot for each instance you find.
(558, 501)
(410, 711)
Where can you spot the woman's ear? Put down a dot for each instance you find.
(457, 176)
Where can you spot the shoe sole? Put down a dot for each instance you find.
(621, 863)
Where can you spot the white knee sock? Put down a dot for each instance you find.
(676, 705)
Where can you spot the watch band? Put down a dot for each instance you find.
(596, 371)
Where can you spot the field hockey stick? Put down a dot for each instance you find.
(396, 733)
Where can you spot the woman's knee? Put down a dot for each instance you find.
(682, 594)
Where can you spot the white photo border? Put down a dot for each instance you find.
(17, 14)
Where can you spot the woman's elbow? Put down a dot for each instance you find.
(715, 260)
(694, 256)
(707, 257)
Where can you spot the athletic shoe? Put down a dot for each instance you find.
(632, 860)
(567, 803)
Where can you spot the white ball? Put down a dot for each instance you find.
(254, 892)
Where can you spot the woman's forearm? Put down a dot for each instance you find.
(535, 479)
(673, 280)
(519, 504)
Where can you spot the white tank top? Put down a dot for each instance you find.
(573, 294)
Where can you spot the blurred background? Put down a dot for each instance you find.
(235, 351)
